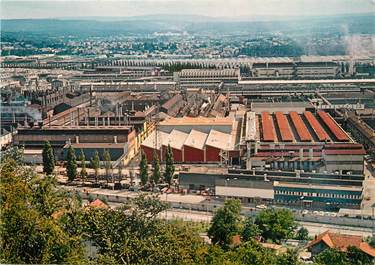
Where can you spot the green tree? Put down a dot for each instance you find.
(83, 172)
(120, 167)
(371, 241)
(31, 231)
(250, 252)
(155, 169)
(250, 230)
(169, 166)
(107, 164)
(95, 164)
(15, 153)
(225, 223)
(358, 257)
(134, 234)
(71, 164)
(332, 256)
(288, 258)
(276, 224)
(143, 170)
(302, 234)
(48, 158)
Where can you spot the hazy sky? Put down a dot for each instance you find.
(214, 8)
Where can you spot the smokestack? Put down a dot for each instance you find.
(77, 139)
(115, 139)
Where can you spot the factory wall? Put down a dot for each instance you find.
(192, 154)
(149, 152)
(177, 154)
(212, 154)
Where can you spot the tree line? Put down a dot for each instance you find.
(71, 162)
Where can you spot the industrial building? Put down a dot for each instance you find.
(295, 70)
(305, 190)
(300, 141)
(116, 73)
(195, 140)
(116, 139)
(173, 105)
(190, 78)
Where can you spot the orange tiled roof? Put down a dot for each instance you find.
(342, 242)
(98, 204)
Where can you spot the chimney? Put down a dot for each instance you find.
(77, 139)
(115, 139)
(300, 154)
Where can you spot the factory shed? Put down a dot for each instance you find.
(317, 128)
(300, 126)
(175, 140)
(173, 105)
(194, 147)
(333, 126)
(153, 143)
(215, 143)
(268, 128)
(284, 129)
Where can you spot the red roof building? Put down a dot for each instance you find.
(341, 242)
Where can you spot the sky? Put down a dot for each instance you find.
(249, 9)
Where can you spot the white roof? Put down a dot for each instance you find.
(150, 140)
(220, 140)
(175, 139)
(251, 126)
(196, 139)
(244, 192)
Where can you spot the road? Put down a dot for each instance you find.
(313, 228)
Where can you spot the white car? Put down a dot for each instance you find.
(261, 206)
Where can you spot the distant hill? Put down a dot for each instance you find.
(98, 26)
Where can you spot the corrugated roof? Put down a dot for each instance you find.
(284, 129)
(196, 139)
(300, 126)
(318, 129)
(251, 128)
(268, 127)
(220, 140)
(175, 139)
(150, 140)
(333, 126)
(196, 121)
(171, 102)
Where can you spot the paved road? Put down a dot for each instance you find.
(313, 228)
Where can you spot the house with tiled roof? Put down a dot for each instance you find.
(341, 242)
(97, 203)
